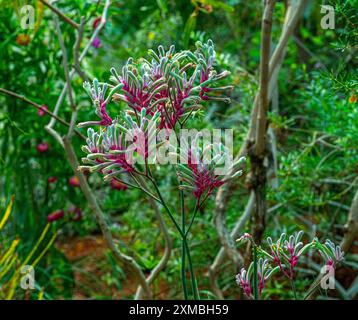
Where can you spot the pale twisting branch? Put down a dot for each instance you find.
(96, 31)
(76, 50)
(258, 154)
(260, 140)
(351, 227)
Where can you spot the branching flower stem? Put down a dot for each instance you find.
(183, 236)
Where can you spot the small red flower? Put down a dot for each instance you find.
(42, 111)
(42, 147)
(52, 179)
(96, 22)
(117, 185)
(75, 212)
(56, 215)
(23, 39)
(96, 43)
(353, 98)
(205, 181)
(74, 182)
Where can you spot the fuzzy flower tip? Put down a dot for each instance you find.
(244, 237)
(97, 94)
(175, 84)
(111, 153)
(285, 253)
(242, 279)
(331, 253)
(206, 169)
(245, 278)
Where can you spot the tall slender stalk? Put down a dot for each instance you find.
(183, 257)
(183, 236)
(256, 280)
(293, 288)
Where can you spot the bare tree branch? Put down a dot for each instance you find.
(258, 173)
(293, 13)
(65, 62)
(351, 227)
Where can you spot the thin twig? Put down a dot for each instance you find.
(64, 62)
(60, 14)
(22, 98)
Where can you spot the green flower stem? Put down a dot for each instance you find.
(256, 280)
(192, 219)
(182, 234)
(198, 205)
(183, 276)
(293, 289)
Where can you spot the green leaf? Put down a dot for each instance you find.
(189, 27)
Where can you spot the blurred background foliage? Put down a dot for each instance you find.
(315, 121)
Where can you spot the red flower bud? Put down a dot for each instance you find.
(56, 215)
(76, 212)
(96, 22)
(42, 147)
(96, 42)
(51, 179)
(74, 182)
(23, 39)
(42, 111)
